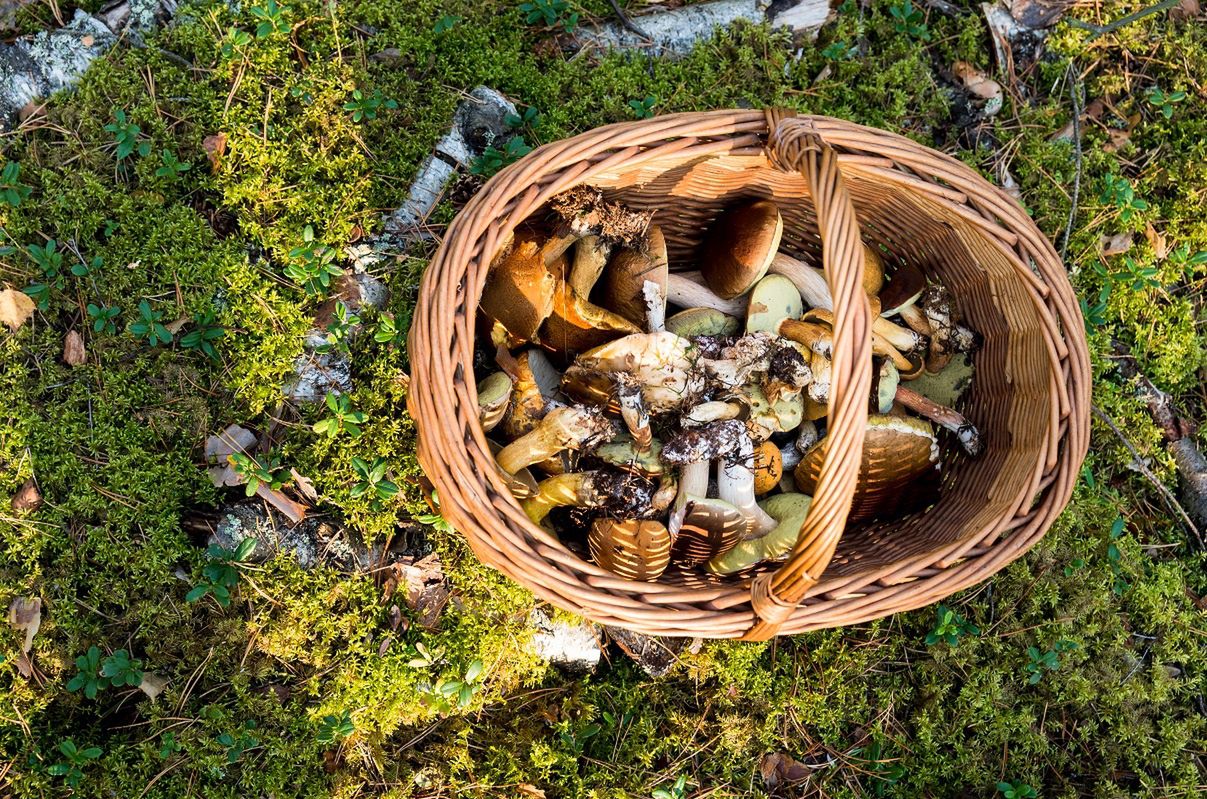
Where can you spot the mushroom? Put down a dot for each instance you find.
(882, 347)
(621, 287)
(521, 484)
(897, 452)
(806, 437)
(739, 246)
(662, 363)
(789, 512)
(622, 452)
(519, 291)
(947, 418)
(788, 372)
(819, 389)
(789, 457)
(692, 451)
(668, 489)
(744, 361)
(702, 322)
(708, 527)
(494, 398)
(574, 428)
(873, 271)
(949, 336)
(636, 549)
(590, 257)
(765, 418)
(809, 281)
(900, 338)
(687, 290)
(815, 336)
(536, 384)
(735, 485)
(620, 494)
(632, 410)
(902, 290)
(772, 300)
(655, 306)
(887, 380)
(768, 467)
(711, 411)
(575, 325)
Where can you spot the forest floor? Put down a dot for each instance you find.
(157, 215)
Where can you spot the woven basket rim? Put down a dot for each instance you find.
(443, 393)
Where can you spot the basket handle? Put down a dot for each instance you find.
(795, 146)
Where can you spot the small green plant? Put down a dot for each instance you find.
(121, 669)
(550, 13)
(168, 745)
(909, 20)
(221, 574)
(1016, 790)
(530, 118)
(81, 269)
(103, 317)
(171, 167)
(234, 41)
(388, 331)
(50, 263)
(313, 264)
(1119, 192)
(1046, 661)
(339, 332)
(272, 19)
(445, 23)
(435, 519)
(239, 742)
(643, 108)
(372, 479)
(457, 693)
(494, 158)
(839, 51)
(75, 760)
(256, 471)
(342, 418)
(424, 658)
(1114, 557)
(149, 325)
(950, 626)
(885, 771)
(1190, 263)
(128, 137)
(1164, 101)
(678, 790)
(365, 106)
(333, 729)
(203, 336)
(89, 678)
(12, 191)
(1139, 278)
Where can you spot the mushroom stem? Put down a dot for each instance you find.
(693, 482)
(590, 257)
(809, 281)
(883, 347)
(494, 397)
(632, 411)
(665, 494)
(948, 418)
(806, 437)
(573, 427)
(577, 488)
(819, 389)
(655, 306)
(817, 337)
(686, 290)
(915, 318)
(735, 485)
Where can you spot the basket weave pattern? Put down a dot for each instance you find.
(836, 183)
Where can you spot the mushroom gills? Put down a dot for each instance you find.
(789, 512)
(636, 549)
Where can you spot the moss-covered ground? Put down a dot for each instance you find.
(1106, 609)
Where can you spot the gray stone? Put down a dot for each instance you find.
(251, 519)
(571, 647)
(317, 373)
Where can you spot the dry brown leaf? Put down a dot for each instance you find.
(215, 148)
(231, 440)
(1187, 9)
(292, 510)
(304, 485)
(425, 587)
(1156, 241)
(1038, 14)
(73, 349)
(1120, 137)
(532, 791)
(152, 684)
(28, 497)
(779, 768)
(25, 615)
(176, 325)
(978, 84)
(1116, 244)
(15, 308)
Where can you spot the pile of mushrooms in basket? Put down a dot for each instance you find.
(659, 419)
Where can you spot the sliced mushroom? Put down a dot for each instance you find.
(897, 452)
(687, 290)
(636, 549)
(575, 326)
(789, 512)
(702, 322)
(574, 428)
(948, 418)
(494, 398)
(772, 300)
(662, 363)
(621, 289)
(768, 467)
(739, 246)
(520, 287)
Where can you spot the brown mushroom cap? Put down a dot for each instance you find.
(575, 326)
(636, 549)
(905, 287)
(620, 287)
(768, 467)
(520, 287)
(739, 247)
(897, 452)
(873, 271)
(711, 527)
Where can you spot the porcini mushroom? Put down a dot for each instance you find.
(708, 527)
(575, 325)
(948, 418)
(590, 257)
(739, 246)
(636, 549)
(702, 322)
(519, 291)
(789, 512)
(569, 428)
(903, 288)
(772, 300)
(621, 288)
(765, 418)
(735, 485)
(494, 397)
(687, 290)
(662, 363)
(521, 484)
(949, 336)
(815, 336)
(536, 383)
(693, 451)
(632, 410)
(746, 360)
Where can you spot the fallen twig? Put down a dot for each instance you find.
(1076, 91)
(627, 22)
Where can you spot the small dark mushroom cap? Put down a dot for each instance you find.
(905, 286)
(739, 247)
(705, 443)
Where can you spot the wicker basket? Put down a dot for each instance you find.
(835, 183)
